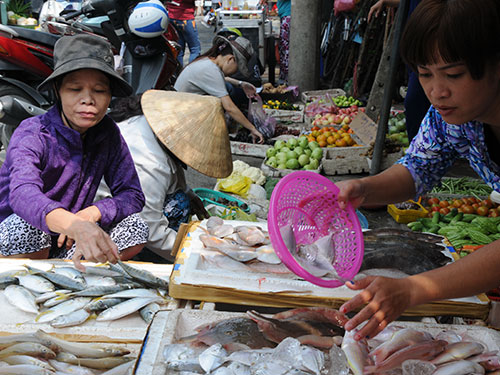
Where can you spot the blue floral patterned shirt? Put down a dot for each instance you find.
(438, 144)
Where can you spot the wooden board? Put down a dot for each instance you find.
(189, 280)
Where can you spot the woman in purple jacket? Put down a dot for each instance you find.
(55, 162)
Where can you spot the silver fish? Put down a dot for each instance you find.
(250, 236)
(123, 369)
(68, 368)
(102, 304)
(223, 243)
(72, 319)
(180, 357)
(144, 276)
(24, 370)
(96, 280)
(148, 311)
(49, 295)
(20, 359)
(221, 230)
(267, 254)
(6, 341)
(54, 301)
(224, 262)
(212, 358)
(21, 298)
(132, 293)
(98, 291)
(457, 351)
(125, 308)
(213, 222)
(63, 308)
(461, 367)
(103, 271)
(36, 283)
(84, 350)
(8, 280)
(58, 279)
(70, 272)
(318, 258)
(356, 352)
(103, 363)
(28, 348)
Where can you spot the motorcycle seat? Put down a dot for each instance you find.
(40, 36)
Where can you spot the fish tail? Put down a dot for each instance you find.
(255, 316)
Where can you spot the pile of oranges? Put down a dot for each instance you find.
(330, 136)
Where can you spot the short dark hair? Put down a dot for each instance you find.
(122, 109)
(456, 30)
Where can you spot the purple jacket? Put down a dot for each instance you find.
(49, 166)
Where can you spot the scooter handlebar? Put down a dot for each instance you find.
(69, 16)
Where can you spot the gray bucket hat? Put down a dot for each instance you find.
(85, 51)
(242, 51)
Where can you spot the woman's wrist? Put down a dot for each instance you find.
(240, 84)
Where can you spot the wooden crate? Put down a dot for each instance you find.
(345, 160)
(387, 161)
(284, 115)
(309, 96)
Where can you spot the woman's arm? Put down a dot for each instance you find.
(249, 89)
(236, 114)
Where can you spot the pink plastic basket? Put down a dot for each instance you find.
(308, 202)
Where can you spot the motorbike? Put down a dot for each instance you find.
(26, 57)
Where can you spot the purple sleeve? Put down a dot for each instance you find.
(26, 197)
(123, 182)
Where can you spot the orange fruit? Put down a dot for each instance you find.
(330, 140)
(321, 138)
(322, 143)
(340, 143)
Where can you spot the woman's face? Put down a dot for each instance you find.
(85, 97)
(459, 98)
(230, 66)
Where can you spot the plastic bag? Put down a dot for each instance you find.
(235, 184)
(344, 5)
(257, 116)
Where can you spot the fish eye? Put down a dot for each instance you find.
(228, 333)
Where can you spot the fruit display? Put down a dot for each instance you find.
(332, 136)
(296, 153)
(462, 186)
(340, 116)
(284, 105)
(397, 128)
(283, 130)
(344, 101)
(467, 205)
(268, 88)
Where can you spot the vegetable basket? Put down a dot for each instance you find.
(218, 198)
(407, 216)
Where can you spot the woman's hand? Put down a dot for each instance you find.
(249, 89)
(385, 299)
(197, 207)
(352, 191)
(379, 5)
(91, 214)
(256, 135)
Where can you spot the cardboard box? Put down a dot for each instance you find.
(248, 149)
(345, 160)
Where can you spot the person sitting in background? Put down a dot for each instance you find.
(169, 201)
(181, 13)
(208, 74)
(55, 162)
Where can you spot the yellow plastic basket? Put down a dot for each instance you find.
(407, 216)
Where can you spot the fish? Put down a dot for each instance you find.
(288, 238)
(233, 334)
(148, 311)
(457, 351)
(125, 308)
(212, 358)
(249, 357)
(54, 301)
(96, 280)
(70, 272)
(314, 332)
(99, 363)
(63, 308)
(213, 242)
(490, 360)
(6, 341)
(401, 338)
(63, 281)
(448, 336)
(84, 350)
(318, 314)
(24, 370)
(356, 352)
(221, 230)
(20, 359)
(98, 291)
(5, 281)
(424, 350)
(181, 357)
(21, 298)
(123, 369)
(461, 367)
(131, 293)
(72, 319)
(100, 303)
(68, 368)
(28, 348)
(266, 254)
(250, 236)
(46, 296)
(36, 284)
(224, 262)
(144, 276)
(318, 257)
(213, 222)
(103, 271)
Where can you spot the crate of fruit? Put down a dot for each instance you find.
(283, 111)
(310, 96)
(270, 171)
(249, 149)
(407, 212)
(388, 160)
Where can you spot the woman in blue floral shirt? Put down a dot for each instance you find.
(454, 47)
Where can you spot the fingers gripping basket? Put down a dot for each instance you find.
(308, 202)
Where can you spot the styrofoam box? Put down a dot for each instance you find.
(248, 149)
(285, 115)
(309, 96)
(276, 172)
(167, 327)
(345, 160)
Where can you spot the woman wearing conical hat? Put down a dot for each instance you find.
(208, 74)
(165, 134)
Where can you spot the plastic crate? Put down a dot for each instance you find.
(208, 196)
(407, 216)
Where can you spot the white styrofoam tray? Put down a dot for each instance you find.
(167, 327)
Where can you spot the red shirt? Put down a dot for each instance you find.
(184, 11)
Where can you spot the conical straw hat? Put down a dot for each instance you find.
(192, 127)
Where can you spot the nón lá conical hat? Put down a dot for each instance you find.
(192, 127)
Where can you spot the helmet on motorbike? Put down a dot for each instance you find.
(148, 19)
(228, 31)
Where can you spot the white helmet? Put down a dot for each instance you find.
(148, 19)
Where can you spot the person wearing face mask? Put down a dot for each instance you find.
(453, 46)
(208, 74)
(55, 162)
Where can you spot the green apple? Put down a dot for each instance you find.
(292, 164)
(271, 152)
(303, 160)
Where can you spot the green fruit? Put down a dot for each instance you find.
(292, 143)
(271, 152)
(291, 155)
(273, 164)
(285, 149)
(303, 141)
(272, 159)
(279, 144)
(281, 166)
(312, 145)
(307, 152)
(303, 160)
(314, 163)
(292, 164)
(298, 150)
(281, 158)
(317, 154)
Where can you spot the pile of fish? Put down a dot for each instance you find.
(40, 353)
(399, 350)
(64, 297)
(404, 250)
(240, 249)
